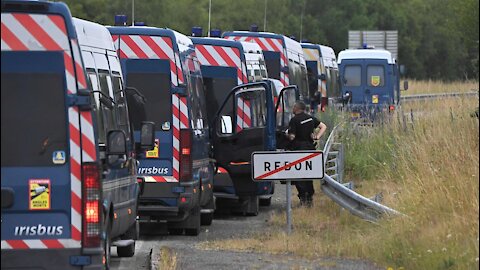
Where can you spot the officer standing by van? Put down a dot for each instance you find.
(302, 131)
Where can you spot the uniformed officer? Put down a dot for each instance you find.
(302, 133)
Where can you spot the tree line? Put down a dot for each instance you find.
(438, 39)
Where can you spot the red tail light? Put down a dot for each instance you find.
(391, 108)
(185, 155)
(92, 218)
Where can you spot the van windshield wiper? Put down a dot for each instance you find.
(105, 99)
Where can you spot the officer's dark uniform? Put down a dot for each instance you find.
(302, 126)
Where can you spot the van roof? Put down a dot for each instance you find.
(329, 57)
(366, 54)
(93, 34)
(217, 42)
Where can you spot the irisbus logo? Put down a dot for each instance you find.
(38, 230)
(153, 170)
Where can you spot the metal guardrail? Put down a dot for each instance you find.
(419, 97)
(340, 193)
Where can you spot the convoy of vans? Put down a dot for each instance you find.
(104, 128)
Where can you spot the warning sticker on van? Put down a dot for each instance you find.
(153, 153)
(39, 196)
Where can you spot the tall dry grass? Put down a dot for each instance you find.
(432, 177)
(429, 87)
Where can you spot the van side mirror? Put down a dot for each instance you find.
(322, 77)
(285, 70)
(147, 136)
(116, 143)
(347, 97)
(405, 85)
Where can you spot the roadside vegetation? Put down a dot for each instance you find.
(426, 166)
(431, 86)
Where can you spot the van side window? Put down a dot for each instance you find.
(97, 108)
(375, 75)
(251, 109)
(353, 75)
(121, 106)
(107, 109)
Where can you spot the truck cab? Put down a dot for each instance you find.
(162, 65)
(369, 82)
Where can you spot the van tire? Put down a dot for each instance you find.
(266, 202)
(207, 218)
(253, 205)
(128, 251)
(194, 221)
(107, 246)
(175, 231)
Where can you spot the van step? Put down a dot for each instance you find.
(123, 243)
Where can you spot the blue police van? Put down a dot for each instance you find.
(59, 166)
(178, 172)
(223, 65)
(369, 83)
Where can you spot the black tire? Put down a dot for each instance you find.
(253, 206)
(266, 202)
(206, 219)
(107, 245)
(193, 231)
(128, 251)
(175, 231)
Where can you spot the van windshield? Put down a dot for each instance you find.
(32, 101)
(156, 89)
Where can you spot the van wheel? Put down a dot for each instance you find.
(107, 246)
(175, 231)
(252, 206)
(266, 202)
(207, 218)
(193, 222)
(128, 251)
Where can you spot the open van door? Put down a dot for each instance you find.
(284, 112)
(245, 123)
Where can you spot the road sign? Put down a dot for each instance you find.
(287, 165)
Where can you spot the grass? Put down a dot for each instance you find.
(168, 259)
(427, 168)
(428, 87)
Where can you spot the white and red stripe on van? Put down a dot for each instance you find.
(222, 56)
(150, 47)
(40, 32)
(272, 45)
(244, 116)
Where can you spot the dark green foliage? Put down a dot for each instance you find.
(438, 39)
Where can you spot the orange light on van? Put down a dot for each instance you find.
(185, 151)
(183, 200)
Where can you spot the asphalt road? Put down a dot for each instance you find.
(155, 236)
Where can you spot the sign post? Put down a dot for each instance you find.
(289, 166)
